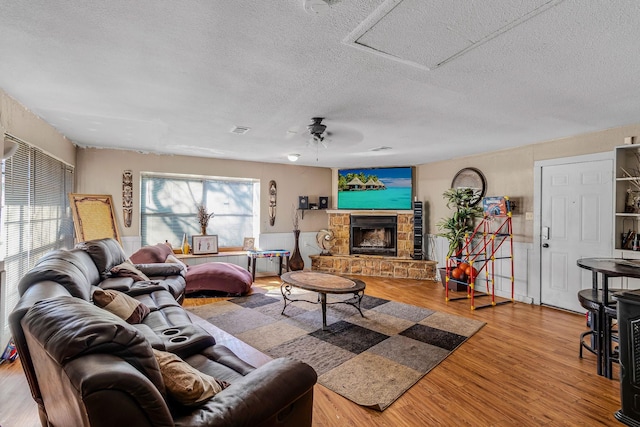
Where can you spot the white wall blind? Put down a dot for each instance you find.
(37, 215)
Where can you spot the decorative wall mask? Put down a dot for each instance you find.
(272, 202)
(127, 197)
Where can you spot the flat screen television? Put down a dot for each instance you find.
(389, 188)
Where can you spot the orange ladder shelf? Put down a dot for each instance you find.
(479, 252)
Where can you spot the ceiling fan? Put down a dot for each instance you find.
(317, 136)
(318, 132)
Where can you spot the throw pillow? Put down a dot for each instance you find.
(151, 254)
(185, 383)
(122, 305)
(127, 269)
(171, 259)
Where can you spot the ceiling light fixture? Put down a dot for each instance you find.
(293, 157)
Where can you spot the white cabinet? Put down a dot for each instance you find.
(627, 201)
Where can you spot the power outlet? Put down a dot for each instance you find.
(528, 216)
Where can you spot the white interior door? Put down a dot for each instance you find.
(576, 222)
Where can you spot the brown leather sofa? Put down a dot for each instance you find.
(87, 367)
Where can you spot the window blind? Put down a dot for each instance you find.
(169, 208)
(37, 215)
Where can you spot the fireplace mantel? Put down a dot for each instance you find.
(368, 212)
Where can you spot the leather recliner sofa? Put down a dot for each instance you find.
(87, 367)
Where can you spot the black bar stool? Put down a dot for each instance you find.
(602, 316)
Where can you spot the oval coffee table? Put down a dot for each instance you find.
(323, 284)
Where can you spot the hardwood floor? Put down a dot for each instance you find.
(521, 369)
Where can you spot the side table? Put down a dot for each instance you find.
(253, 256)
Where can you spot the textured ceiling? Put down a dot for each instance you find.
(430, 79)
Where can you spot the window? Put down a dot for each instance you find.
(37, 216)
(169, 208)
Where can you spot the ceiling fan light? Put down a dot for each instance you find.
(293, 157)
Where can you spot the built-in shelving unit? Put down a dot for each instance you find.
(627, 201)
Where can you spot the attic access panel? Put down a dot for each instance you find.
(427, 34)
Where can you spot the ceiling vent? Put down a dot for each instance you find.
(316, 7)
(240, 130)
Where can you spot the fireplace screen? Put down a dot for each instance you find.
(373, 235)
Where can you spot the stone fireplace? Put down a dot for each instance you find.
(373, 235)
(400, 265)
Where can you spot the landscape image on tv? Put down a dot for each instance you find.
(379, 188)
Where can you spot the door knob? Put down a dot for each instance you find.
(545, 245)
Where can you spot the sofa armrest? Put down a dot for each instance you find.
(115, 393)
(162, 269)
(35, 293)
(266, 393)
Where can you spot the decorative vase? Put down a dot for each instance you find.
(203, 230)
(296, 263)
(185, 245)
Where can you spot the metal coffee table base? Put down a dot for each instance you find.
(355, 301)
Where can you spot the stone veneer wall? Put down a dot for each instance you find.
(340, 224)
(402, 266)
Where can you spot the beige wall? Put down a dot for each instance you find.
(99, 171)
(22, 123)
(510, 173)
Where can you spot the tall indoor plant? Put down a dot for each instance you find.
(461, 221)
(455, 227)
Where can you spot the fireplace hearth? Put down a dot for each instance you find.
(373, 235)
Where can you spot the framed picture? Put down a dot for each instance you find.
(249, 243)
(93, 216)
(207, 244)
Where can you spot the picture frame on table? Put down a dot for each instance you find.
(248, 244)
(204, 244)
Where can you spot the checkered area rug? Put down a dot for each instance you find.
(371, 360)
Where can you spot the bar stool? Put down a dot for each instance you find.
(602, 316)
(612, 354)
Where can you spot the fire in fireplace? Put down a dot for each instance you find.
(373, 235)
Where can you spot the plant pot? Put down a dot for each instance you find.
(453, 286)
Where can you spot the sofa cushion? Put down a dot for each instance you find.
(218, 276)
(106, 253)
(167, 317)
(162, 269)
(185, 383)
(122, 305)
(69, 327)
(151, 254)
(127, 269)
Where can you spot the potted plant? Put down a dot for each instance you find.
(461, 222)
